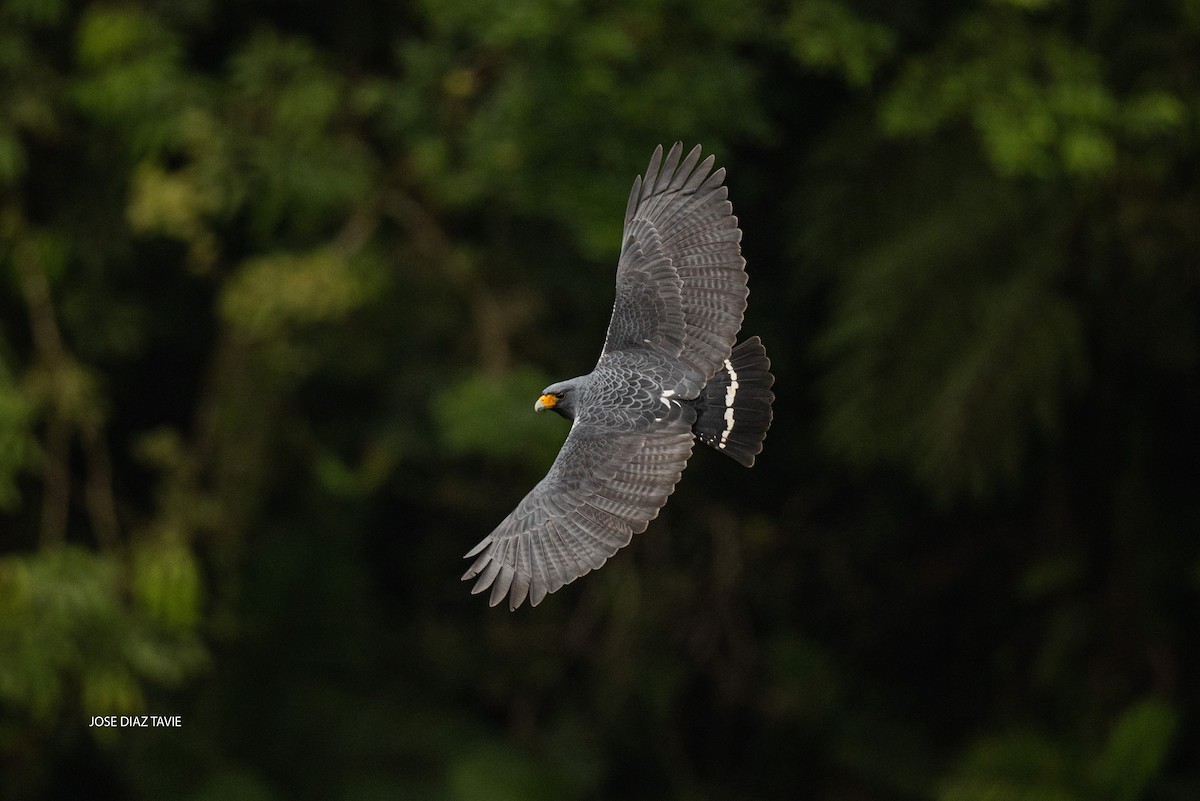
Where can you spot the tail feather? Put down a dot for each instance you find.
(734, 408)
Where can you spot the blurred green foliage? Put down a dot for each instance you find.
(280, 283)
(66, 630)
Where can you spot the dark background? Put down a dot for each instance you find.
(280, 282)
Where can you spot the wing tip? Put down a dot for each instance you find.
(478, 549)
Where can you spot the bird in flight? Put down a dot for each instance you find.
(669, 373)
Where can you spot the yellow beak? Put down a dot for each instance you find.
(545, 402)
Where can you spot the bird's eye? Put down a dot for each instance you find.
(559, 395)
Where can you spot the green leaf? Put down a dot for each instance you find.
(12, 157)
(109, 33)
(1037, 101)
(500, 773)
(493, 416)
(167, 585)
(1137, 750)
(1020, 766)
(274, 292)
(829, 36)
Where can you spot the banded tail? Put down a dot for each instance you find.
(734, 408)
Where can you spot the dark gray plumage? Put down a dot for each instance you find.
(668, 372)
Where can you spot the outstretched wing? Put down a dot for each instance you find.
(681, 278)
(603, 488)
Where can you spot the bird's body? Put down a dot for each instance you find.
(668, 373)
(625, 391)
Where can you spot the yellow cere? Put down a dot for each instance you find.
(548, 401)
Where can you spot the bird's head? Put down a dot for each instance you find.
(559, 398)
